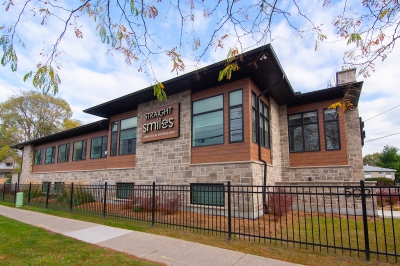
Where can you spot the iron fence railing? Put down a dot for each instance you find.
(361, 220)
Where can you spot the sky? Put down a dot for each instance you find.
(91, 76)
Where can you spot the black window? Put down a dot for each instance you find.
(38, 156)
(114, 136)
(208, 121)
(58, 187)
(45, 186)
(50, 155)
(98, 147)
(207, 194)
(79, 152)
(332, 136)
(63, 153)
(264, 122)
(125, 190)
(127, 136)
(236, 116)
(303, 132)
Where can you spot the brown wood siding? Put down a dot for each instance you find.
(109, 162)
(226, 152)
(322, 157)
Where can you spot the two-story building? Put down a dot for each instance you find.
(253, 129)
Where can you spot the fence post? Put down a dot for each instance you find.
(229, 212)
(105, 201)
(15, 192)
(4, 189)
(29, 192)
(47, 194)
(153, 204)
(71, 200)
(365, 222)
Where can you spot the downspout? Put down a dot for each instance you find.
(265, 207)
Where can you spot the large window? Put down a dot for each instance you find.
(264, 122)
(98, 147)
(332, 136)
(58, 187)
(45, 186)
(63, 153)
(114, 136)
(207, 194)
(79, 152)
(208, 121)
(50, 155)
(236, 116)
(125, 190)
(127, 136)
(38, 156)
(303, 132)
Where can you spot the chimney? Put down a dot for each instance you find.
(345, 76)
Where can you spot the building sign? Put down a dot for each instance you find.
(161, 123)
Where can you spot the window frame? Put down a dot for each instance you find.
(53, 155)
(57, 187)
(126, 184)
(212, 111)
(103, 153)
(67, 151)
(124, 130)
(73, 150)
(230, 107)
(45, 186)
(338, 128)
(114, 134)
(41, 157)
(261, 104)
(302, 127)
(204, 185)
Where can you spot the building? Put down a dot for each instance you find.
(7, 167)
(374, 171)
(207, 133)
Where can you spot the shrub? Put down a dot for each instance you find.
(81, 196)
(171, 204)
(280, 203)
(386, 197)
(382, 181)
(35, 192)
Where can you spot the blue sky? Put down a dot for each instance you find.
(90, 77)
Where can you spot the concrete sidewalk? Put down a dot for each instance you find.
(168, 250)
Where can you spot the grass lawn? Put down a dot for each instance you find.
(23, 244)
(274, 249)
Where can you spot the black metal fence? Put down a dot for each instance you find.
(355, 220)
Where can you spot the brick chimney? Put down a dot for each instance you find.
(345, 76)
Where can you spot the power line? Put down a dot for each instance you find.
(383, 137)
(381, 113)
(382, 132)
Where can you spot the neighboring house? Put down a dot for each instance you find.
(375, 171)
(208, 133)
(7, 167)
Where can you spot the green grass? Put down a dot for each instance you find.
(22, 244)
(276, 249)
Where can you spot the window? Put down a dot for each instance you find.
(332, 137)
(45, 186)
(127, 136)
(63, 153)
(367, 173)
(58, 187)
(208, 121)
(380, 173)
(79, 152)
(125, 190)
(235, 116)
(388, 173)
(50, 155)
(264, 121)
(207, 194)
(98, 148)
(114, 136)
(38, 156)
(303, 132)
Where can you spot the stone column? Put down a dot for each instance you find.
(27, 162)
(354, 144)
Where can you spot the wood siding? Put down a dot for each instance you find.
(321, 157)
(109, 162)
(230, 152)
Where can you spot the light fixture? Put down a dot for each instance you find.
(263, 57)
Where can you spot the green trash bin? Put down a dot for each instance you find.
(20, 199)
